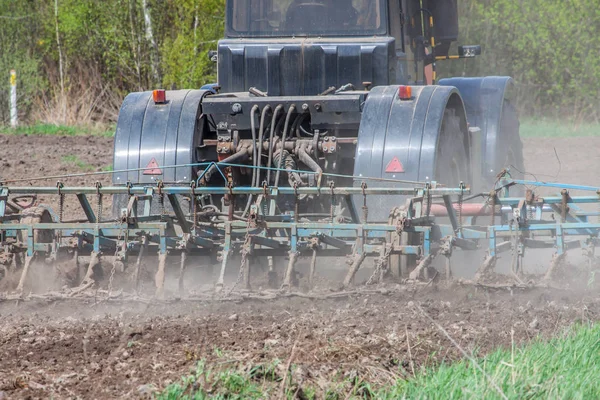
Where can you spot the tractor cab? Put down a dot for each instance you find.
(304, 47)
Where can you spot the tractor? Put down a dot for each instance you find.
(345, 89)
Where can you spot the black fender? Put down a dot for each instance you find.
(484, 100)
(408, 130)
(165, 132)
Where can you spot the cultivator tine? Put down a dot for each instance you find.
(94, 261)
(357, 260)
(26, 267)
(486, 268)
(425, 262)
(290, 271)
(224, 255)
(138, 263)
(182, 267)
(77, 266)
(159, 278)
(446, 251)
(221, 280)
(272, 274)
(314, 245)
(448, 268)
(555, 266)
(313, 268)
(246, 271)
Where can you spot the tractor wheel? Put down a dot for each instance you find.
(452, 167)
(510, 150)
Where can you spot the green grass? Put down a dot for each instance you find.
(80, 164)
(58, 130)
(565, 367)
(552, 128)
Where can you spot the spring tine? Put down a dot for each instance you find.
(424, 264)
(246, 272)
(94, 260)
(356, 262)
(159, 278)
(272, 274)
(313, 267)
(556, 263)
(225, 254)
(289, 272)
(138, 263)
(448, 268)
(488, 265)
(76, 262)
(221, 280)
(28, 261)
(182, 267)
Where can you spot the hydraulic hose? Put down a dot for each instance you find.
(271, 135)
(285, 158)
(283, 138)
(310, 163)
(254, 149)
(261, 131)
(253, 112)
(236, 158)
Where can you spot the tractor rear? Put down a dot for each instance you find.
(328, 134)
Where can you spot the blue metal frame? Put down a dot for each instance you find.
(523, 219)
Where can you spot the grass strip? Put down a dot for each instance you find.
(565, 367)
(58, 130)
(531, 128)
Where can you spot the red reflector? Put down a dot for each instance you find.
(394, 166)
(152, 168)
(159, 96)
(405, 92)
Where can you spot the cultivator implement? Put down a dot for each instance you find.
(430, 223)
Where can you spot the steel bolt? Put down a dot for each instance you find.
(236, 108)
(304, 107)
(318, 106)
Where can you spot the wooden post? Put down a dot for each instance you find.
(13, 99)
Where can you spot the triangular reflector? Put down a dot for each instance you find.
(394, 166)
(153, 168)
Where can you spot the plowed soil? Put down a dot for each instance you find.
(104, 350)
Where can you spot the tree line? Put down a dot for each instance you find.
(76, 59)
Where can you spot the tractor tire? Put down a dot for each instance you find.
(452, 167)
(511, 148)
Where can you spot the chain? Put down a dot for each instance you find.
(459, 214)
(427, 199)
(61, 201)
(98, 205)
(380, 263)
(365, 208)
(161, 201)
(122, 233)
(245, 251)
